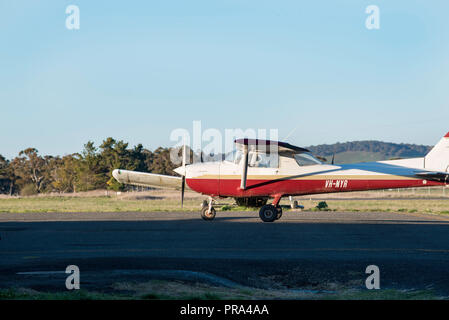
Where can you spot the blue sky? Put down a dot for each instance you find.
(136, 70)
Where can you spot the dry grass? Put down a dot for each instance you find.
(407, 201)
(383, 205)
(155, 200)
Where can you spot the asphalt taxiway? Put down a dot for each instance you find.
(318, 250)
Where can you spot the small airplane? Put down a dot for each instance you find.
(261, 169)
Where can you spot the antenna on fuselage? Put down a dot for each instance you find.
(291, 132)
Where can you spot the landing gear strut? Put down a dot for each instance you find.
(208, 211)
(279, 209)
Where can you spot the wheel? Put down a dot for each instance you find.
(279, 215)
(207, 214)
(268, 213)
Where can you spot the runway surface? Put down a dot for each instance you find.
(303, 250)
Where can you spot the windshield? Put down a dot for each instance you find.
(306, 159)
(234, 156)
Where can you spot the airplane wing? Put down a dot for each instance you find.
(434, 176)
(146, 179)
(261, 145)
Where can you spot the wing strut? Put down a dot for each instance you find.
(244, 167)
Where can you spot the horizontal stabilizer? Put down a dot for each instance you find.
(146, 179)
(434, 176)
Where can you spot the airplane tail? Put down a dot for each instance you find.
(438, 158)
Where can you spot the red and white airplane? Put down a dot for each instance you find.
(261, 169)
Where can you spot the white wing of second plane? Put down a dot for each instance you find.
(146, 179)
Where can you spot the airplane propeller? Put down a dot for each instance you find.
(183, 183)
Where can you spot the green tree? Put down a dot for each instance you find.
(89, 175)
(31, 168)
(6, 176)
(116, 155)
(65, 173)
(159, 162)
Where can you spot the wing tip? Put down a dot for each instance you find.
(116, 173)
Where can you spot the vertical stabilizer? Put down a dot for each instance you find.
(438, 158)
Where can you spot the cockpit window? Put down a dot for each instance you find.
(255, 159)
(306, 159)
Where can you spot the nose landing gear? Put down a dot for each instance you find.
(208, 211)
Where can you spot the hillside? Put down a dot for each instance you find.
(364, 151)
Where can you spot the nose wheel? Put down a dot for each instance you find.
(208, 214)
(208, 211)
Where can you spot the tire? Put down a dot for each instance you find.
(268, 213)
(208, 215)
(279, 215)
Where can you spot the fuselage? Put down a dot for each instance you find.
(289, 178)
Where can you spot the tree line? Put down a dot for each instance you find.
(31, 173)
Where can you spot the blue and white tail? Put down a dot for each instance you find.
(438, 158)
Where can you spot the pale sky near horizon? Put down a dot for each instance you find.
(136, 70)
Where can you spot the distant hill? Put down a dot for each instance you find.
(364, 151)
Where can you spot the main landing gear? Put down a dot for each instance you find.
(207, 210)
(268, 213)
(271, 212)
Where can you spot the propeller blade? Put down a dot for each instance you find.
(183, 185)
(333, 158)
(184, 158)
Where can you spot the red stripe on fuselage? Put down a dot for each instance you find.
(231, 187)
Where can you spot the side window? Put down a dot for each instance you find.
(306, 159)
(263, 160)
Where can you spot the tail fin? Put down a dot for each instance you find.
(438, 158)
